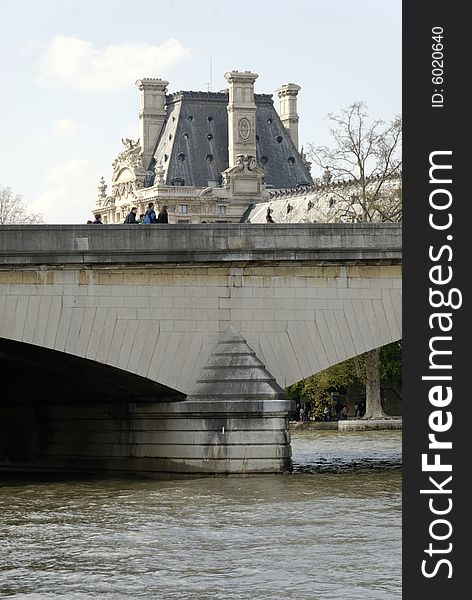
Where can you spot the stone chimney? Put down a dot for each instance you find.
(288, 109)
(152, 113)
(241, 115)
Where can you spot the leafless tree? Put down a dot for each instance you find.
(367, 153)
(13, 210)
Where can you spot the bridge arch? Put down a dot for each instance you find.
(152, 306)
(154, 302)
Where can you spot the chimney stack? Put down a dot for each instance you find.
(241, 114)
(288, 109)
(152, 113)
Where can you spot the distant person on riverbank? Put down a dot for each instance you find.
(89, 222)
(337, 409)
(98, 220)
(357, 409)
(302, 413)
(344, 412)
(326, 414)
(141, 219)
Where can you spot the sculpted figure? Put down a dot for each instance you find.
(252, 165)
(240, 162)
(129, 144)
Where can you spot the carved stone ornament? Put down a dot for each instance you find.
(124, 190)
(244, 128)
(102, 188)
(129, 157)
(246, 167)
(247, 161)
(159, 178)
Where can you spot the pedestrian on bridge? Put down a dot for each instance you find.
(150, 216)
(163, 216)
(131, 217)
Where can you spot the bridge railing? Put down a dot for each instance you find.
(89, 244)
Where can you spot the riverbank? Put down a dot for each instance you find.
(348, 425)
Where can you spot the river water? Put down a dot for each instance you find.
(330, 530)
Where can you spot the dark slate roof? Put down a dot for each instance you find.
(193, 145)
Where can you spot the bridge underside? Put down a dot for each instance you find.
(63, 413)
(35, 374)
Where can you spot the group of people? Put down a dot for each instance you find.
(302, 412)
(147, 218)
(98, 220)
(359, 408)
(340, 411)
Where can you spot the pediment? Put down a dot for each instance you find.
(125, 174)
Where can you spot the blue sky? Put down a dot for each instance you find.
(68, 69)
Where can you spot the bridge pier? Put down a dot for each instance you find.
(234, 422)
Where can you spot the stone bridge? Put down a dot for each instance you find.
(147, 314)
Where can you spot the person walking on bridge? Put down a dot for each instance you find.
(150, 216)
(269, 218)
(131, 218)
(163, 216)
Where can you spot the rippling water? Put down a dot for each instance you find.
(331, 530)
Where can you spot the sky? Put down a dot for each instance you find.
(68, 70)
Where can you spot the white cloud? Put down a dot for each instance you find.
(71, 189)
(66, 128)
(78, 64)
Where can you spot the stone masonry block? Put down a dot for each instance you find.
(123, 290)
(31, 318)
(184, 325)
(220, 292)
(111, 301)
(11, 277)
(262, 315)
(69, 301)
(188, 302)
(127, 313)
(161, 301)
(136, 301)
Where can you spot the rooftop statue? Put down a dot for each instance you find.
(130, 156)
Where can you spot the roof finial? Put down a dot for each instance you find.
(102, 188)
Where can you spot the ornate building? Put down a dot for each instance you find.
(208, 156)
(328, 201)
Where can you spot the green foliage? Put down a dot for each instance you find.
(317, 388)
(391, 363)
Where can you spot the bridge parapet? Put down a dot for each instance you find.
(223, 243)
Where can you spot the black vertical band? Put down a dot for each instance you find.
(435, 325)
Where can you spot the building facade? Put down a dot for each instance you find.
(208, 156)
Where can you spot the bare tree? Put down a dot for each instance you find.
(14, 211)
(367, 154)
